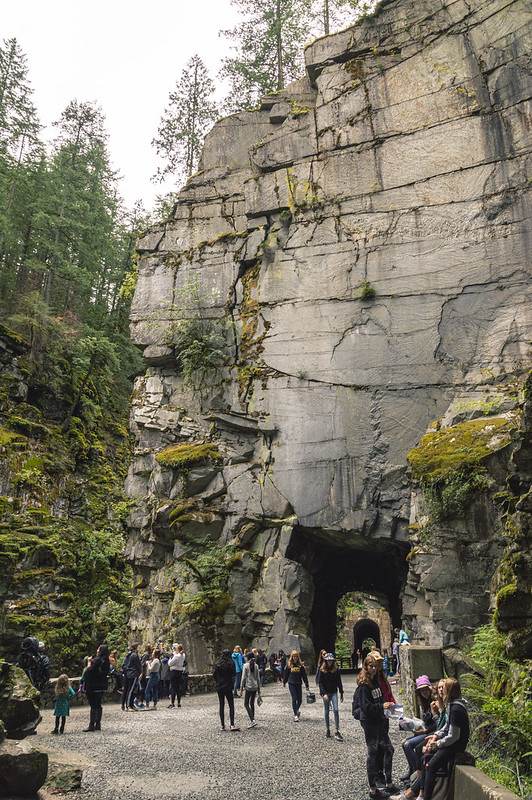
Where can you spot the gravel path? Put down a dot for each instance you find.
(181, 753)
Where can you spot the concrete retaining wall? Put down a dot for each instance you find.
(472, 784)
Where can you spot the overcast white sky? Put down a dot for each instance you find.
(124, 54)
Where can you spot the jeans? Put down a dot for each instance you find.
(385, 753)
(238, 678)
(249, 703)
(409, 748)
(333, 700)
(296, 692)
(223, 695)
(152, 688)
(376, 737)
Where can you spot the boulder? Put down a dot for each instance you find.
(23, 769)
(19, 710)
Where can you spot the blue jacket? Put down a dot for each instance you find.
(239, 661)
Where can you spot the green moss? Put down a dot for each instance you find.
(181, 456)
(367, 291)
(463, 445)
(8, 437)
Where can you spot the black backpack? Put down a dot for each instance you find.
(355, 707)
(28, 657)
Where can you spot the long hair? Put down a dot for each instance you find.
(62, 685)
(225, 660)
(103, 651)
(452, 690)
(295, 659)
(364, 675)
(325, 666)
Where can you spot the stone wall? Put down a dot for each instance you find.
(362, 242)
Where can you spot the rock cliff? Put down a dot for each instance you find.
(361, 244)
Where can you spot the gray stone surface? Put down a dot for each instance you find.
(402, 159)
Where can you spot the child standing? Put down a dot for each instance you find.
(63, 695)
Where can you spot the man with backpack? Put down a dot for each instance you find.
(35, 664)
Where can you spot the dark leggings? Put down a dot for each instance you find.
(226, 694)
(176, 676)
(63, 720)
(95, 702)
(431, 763)
(249, 703)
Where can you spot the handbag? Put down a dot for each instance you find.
(311, 697)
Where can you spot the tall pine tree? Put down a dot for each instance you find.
(187, 118)
(269, 49)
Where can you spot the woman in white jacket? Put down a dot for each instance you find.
(177, 665)
(250, 683)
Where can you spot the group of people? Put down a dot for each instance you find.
(444, 731)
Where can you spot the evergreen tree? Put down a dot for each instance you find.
(19, 148)
(333, 15)
(269, 49)
(185, 121)
(81, 209)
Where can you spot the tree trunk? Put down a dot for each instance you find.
(280, 76)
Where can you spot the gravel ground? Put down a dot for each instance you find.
(181, 753)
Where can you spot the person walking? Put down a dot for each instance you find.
(63, 695)
(330, 685)
(96, 686)
(224, 677)
(295, 675)
(153, 670)
(239, 666)
(250, 683)
(386, 748)
(177, 665)
(131, 668)
(371, 717)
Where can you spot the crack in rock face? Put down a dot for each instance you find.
(360, 247)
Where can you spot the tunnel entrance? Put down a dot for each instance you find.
(337, 567)
(366, 629)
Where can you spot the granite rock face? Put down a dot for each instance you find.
(362, 241)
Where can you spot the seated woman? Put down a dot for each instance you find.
(424, 696)
(442, 746)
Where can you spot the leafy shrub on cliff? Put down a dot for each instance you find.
(502, 724)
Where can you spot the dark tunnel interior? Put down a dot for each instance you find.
(378, 569)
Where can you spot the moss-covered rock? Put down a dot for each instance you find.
(182, 456)
(19, 702)
(462, 445)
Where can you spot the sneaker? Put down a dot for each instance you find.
(296, 718)
(222, 728)
(55, 731)
(252, 724)
(392, 788)
(328, 734)
(235, 728)
(379, 794)
(338, 736)
(400, 796)
(171, 705)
